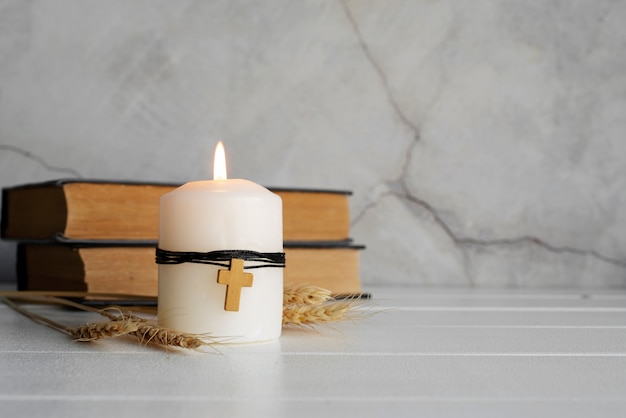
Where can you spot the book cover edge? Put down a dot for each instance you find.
(61, 182)
(84, 243)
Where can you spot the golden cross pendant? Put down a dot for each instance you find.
(234, 279)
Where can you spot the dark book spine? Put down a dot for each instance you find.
(5, 212)
(22, 276)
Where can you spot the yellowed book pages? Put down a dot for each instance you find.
(127, 269)
(129, 211)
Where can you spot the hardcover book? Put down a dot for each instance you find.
(129, 267)
(111, 210)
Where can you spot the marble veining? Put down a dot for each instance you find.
(483, 141)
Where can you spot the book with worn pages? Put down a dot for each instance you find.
(116, 210)
(130, 268)
(100, 236)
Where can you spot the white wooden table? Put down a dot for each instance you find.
(482, 353)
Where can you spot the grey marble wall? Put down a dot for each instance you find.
(483, 140)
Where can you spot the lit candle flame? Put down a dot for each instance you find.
(219, 162)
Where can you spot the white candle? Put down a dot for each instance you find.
(221, 214)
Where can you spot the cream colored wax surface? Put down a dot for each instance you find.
(212, 215)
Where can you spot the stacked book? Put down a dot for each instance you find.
(100, 236)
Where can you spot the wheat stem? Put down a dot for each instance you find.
(67, 294)
(37, 318)
(303, 305)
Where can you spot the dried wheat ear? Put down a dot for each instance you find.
(302, 306)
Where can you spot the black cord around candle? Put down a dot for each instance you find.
(221, 258)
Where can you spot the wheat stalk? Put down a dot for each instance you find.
(142, 330)
(98, 330)
(305, 295)
(148, 334)
(37, 318)
(116, 326)
(318, 314)
(20, 294)
(303, 305)
(312, 305)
